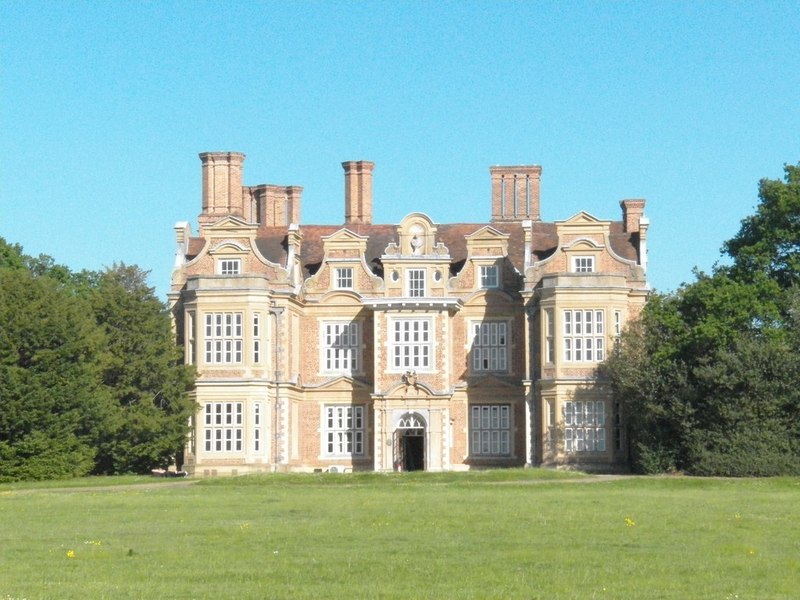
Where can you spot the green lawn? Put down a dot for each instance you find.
(497, 534)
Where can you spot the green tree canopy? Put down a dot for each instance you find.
(52, 407)
(143, 372)
(769, 241)
(709, 374)
(90, 378)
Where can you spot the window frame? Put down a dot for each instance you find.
(223, 339)
(416, 282)
(489, 276)
(585, 426)
(258, 434)
(191, 343)
(490, 428)
(619, 430)
(584, 335)
(342, 275)
(229, 266)
(411, 354)
(583, 264)
(348, 349)
(490, 343)
(343, 426)
(223, 427)
(256, 323)
(549, 335)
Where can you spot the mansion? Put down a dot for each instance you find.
(402, 346)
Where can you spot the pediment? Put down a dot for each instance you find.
(487, 233)
(344, 243)
(344, 235)
(230, 225)
(485, 296)
(583, 243)
(229, 246)
(340, 297)
(342, 383)
(582, 217)
(406, 389)
(417, 218)
(230, 222)
(416, 236)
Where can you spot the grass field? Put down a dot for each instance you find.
(496, 534)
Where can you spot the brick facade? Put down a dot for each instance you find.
(413, 345)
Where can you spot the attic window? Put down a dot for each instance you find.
(583, 264)
(230, 266)
(344, 278)
(488, 276)
(416, 283)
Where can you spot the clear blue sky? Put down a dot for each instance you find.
(104, 107)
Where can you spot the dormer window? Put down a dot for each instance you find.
(344, 278)
(489, 277)
(583, 264)
(416, 283)
(229, 266)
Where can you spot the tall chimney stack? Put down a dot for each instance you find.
(277, 205)
(632, 212)
(515, 193)
(358, 191)
(636, 224)
(222, 185)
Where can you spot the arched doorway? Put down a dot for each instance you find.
(409, 443)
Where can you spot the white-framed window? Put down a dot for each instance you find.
(618, 443)
(229, 266)
(416, 283)
(223, 338)
(344, 278)
(190, 343)
(256, 338)
(617, 330)
(257, 434)
(223, 427)
(583, 264)
(344, 431)
(584, 335)
(490, 346)
(341, 347)
(549, 336)
(411, 344)
(490, 430)
(585, 426)
(551, 425)
(489, 276)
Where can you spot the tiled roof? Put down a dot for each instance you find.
(272, 242)
(195, 247)
(623, 244)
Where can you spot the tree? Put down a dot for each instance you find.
(52, 408)
(707, 388)
(90, 377)
(709, 373)
(747, 410)
(10, 256)
(769, 241)
(142, 371)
